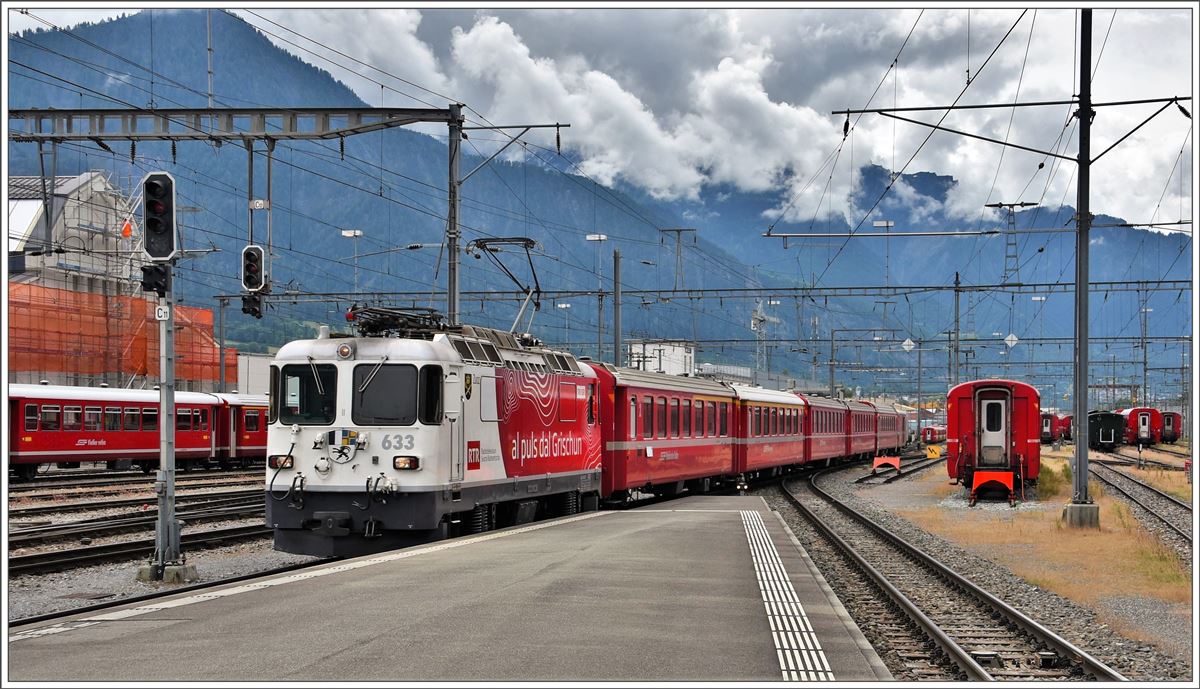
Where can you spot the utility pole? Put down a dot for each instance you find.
(679, 250)
(1145, 313)
(617, 344)
(599, 239)
(452, 232)
(957, 292)
(1082, 512)
(222, 303)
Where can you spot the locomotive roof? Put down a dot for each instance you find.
(88, 394)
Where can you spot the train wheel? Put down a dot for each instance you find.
(25, 472)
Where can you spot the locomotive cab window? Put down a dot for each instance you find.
(384, 395)
(309, 393)
(429, 394)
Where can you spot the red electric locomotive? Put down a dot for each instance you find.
(993, 429)
(1143, 425)
(1172, 426)
(69, 424)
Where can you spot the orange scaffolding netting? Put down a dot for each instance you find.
(61, 331)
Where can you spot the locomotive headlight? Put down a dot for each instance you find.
(280, 461)
(406, 463)
(345, 350)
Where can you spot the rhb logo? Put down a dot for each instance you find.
(474, 455)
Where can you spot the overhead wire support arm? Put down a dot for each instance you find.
(981, 106)
(976, 136)
(511, 140)
(1131, 131)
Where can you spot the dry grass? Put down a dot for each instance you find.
(1084, 565)
(1171, 482)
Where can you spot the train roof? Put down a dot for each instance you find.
(632, 377)
(823, 402)
(755, 394)
(993, 382)
(89, 394)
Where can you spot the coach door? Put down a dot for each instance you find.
(993, 432)
(1168, 425)
(1144, 425)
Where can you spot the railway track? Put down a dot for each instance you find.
(955, 628)
(127, 523)
(89, 555)
(58, 494)
(39, 510)
(888, 474)
(1168, 515)
(138, 479)
(1131, 454)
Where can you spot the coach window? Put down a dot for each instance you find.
(724, 418)
(756, 421)
(660, 417)
(674, 416)
(383, 395)
(774, 421)
(251, 420)
(51, 419)
(685, 415)
(699, 418)
(308, 393)
(72, 418)
(133, 419)
(112, 418)
(710, 419)
(429, 395)
(202, 420)
(183, 420)
(648, 417)
(149, 419)
(31, 417)
(91, 419)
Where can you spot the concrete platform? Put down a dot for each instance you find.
(704, 588)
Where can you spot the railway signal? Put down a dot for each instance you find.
(252, 305)
(253, 268)
(160, 241)
(156, 277)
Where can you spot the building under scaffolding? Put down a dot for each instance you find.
(76, 312)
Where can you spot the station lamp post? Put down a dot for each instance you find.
(354, 234)
(566, 309)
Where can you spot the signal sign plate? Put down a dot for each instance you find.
(162, 313)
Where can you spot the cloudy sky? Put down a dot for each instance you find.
(681, 102)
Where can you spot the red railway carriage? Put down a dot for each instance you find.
(1172, 426)
(860, 429)
(933, 434)
(889, 429)
(1143, 425)
(68, 424)
(770, 431)
(993, 434)
(667, 432)
(1050, 425)
(825, 428)
(1065, 423)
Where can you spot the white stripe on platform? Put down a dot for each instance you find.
(796, 646)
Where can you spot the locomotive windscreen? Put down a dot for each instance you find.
(309, 394)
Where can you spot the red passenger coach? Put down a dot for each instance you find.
(860, 429)
(993, 435)
(69, 424)
(667, 432)
(825, 429)
(770, 432)
(1143, 425)
(1065, 426)
(933, 434)
(1172, 426)
(889, 429)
